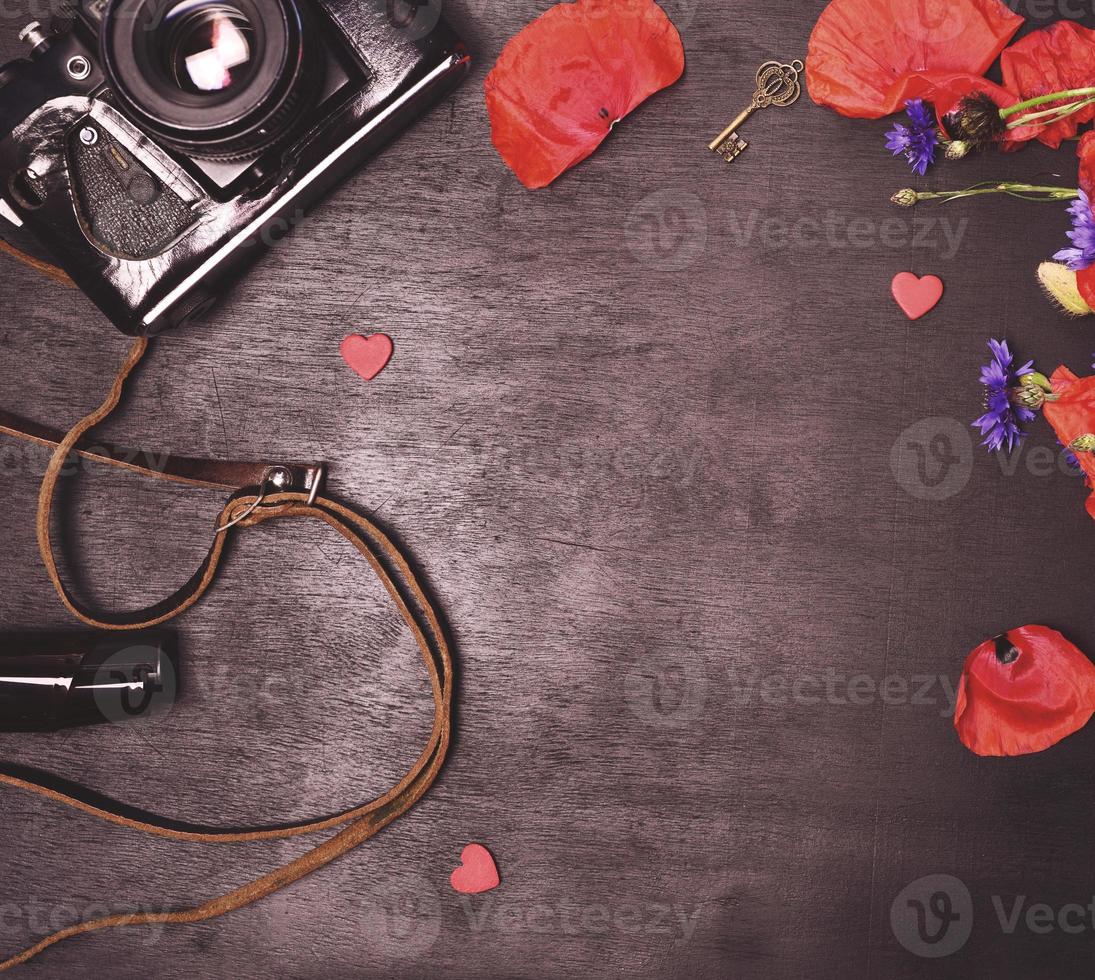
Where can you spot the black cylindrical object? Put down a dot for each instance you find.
(50, 681)
(218, 79)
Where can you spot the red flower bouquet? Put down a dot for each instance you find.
(872, 58)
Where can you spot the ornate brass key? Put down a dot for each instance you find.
(778, 85)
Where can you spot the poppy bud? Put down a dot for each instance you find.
(976, 121)
(1059, 282)
(1029, 396)
(957, 149)
(906, 198)
(1022, 692)
(1035, 379)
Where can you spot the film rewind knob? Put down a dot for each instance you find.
(33, 35)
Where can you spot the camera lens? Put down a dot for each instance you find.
(217, 79)
(208, 46)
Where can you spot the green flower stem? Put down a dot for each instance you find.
(1028, 192)
(1072, 93)
(1047, 117)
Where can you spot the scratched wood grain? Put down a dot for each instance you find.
(639, 432)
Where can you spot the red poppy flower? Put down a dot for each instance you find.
(1085, 282)
(560, 85)
(1022, 692)
(945, 91)
(1056, 58)
(866, 57)
(1085, 150)
(1085, 278)
(1073, 414)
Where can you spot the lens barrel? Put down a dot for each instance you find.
(217, 79)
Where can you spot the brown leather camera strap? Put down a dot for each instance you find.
(212, 474)
(253, 505)
(54, 272)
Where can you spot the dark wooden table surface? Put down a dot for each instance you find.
(703, 511)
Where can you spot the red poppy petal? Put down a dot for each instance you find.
(945, 89)
(1085, 150)
(1058, 57)
(1073, 414)
(1028, 704)
(561, 84)
(1061, 379)
(1085, 279)
(862, 52)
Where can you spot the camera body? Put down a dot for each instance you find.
(157, 148)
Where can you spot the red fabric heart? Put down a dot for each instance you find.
(367, 356)
(477, 873)
(916, 296)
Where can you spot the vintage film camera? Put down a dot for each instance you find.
(155, 148)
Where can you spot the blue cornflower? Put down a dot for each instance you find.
(917, 140)
(1071, 459)
(1082, 236)
(1001, 423)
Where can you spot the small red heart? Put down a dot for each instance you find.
(916, 296)
(477, 873)
(367, 356)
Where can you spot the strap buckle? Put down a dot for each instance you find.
(283, 479)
